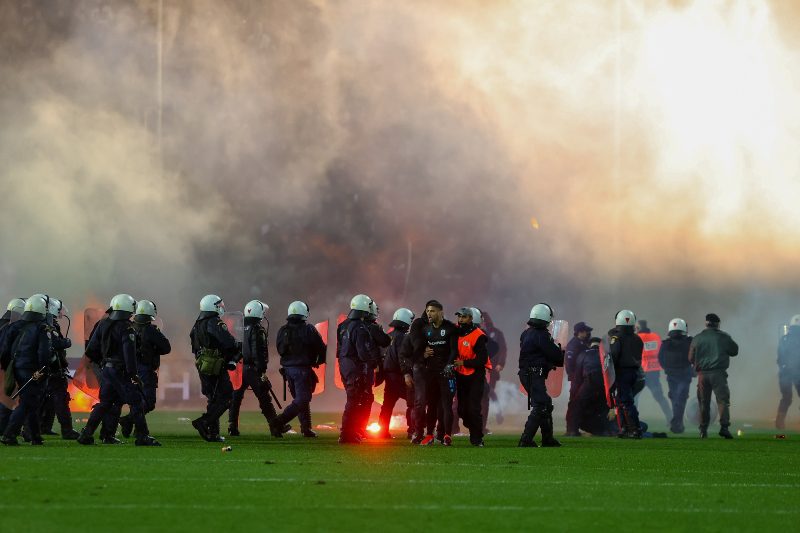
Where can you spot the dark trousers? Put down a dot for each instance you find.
(55, 403)
(433, 401)
(116, 388)
(218, 391)
(786, 380)
(541, 415)
(149, 379)
(591, 412)
(394, 390)
(625, 384)
(251, 379)
(5, 415)
(470, 391)
(27, 412)
(301, 382)
(715, 381)
(678, 384)
(354, 378)
(572, 417)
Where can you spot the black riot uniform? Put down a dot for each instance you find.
(538, 355)
(673, 356)
(380, 341)
(26, 345)
(55, 402)
(395, 368)
(301, 349)
(120, 384)
(151, 344)
(626, 352)
(255, 357)
(5, 412)
(788, 372)
(215, 349)
(356, 353)
(108, 428)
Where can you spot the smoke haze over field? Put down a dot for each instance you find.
(313, 150)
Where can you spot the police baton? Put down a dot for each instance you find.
(266, 380)
(19, 391)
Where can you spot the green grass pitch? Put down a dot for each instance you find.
(297, 484)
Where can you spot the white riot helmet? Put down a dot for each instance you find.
(122, 307)
(542, 311)
(677, 324)
(404, 315)
(477, 317)
(54, 307)
(795, 321)
(625, 317)
(361, 302)
(146, 307)
(36, 304)
(255, 309)
(212, 303)
(17, 305)
(298, 308)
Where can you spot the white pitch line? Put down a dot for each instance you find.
(315, 480)
(380, 507)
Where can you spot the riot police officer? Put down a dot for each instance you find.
(380, 341)
(673, 356)
(151, 344)
(255, 357)
(26, 352)
(215, 351)
(14, 310)
(120, 384)
(538, 355)
(397, 374)
(55, 402)
(788, 369)
(626, 352)
(301, 349)
(470, 368)
(355, 353)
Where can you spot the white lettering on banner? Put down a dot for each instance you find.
(650, 346)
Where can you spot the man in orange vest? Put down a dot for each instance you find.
(651, 367)
(470, 367)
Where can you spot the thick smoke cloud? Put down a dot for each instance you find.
(313, 150)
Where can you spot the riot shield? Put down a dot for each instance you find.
(607, 367)
(235, 322)
(91, 316)
(322, 328)
(559, 329)
(337, 376)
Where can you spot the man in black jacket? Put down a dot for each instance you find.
(591, 410)
(356, 352)
(626, 352)
(434, 346)
(301, 349)
(215, 351)
(673, 356)
(397, 374)
(576, 345)
(538, 355)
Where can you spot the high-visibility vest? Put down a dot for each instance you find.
(466, 350)
(652, 342)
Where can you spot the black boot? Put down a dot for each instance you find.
(305, 423)
(86, 437)
(526, 441)
(147, 440)
(233, 430)
(724, 433)
(548, 441)
(69, 434)
(201, 426)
